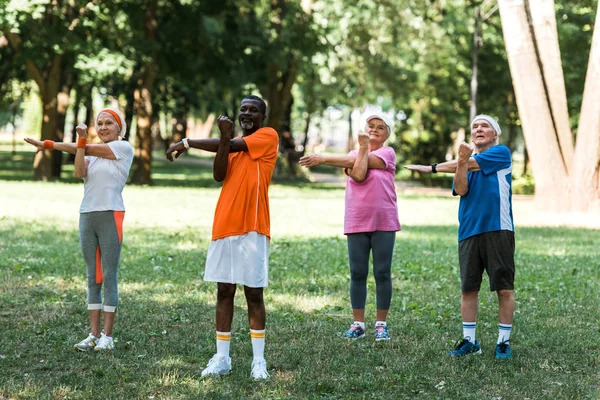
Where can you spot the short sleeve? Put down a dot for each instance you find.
(493, 160)
(388, 155)
(262, 143)
(121, 149)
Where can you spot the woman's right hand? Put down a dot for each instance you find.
(37, 143)
(310, 160)
(82, 130)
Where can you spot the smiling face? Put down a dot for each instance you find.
(377, 131)
(483, 135)
(251, 116)
(107, 127)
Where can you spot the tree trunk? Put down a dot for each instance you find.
(306, 127)
(129, 109)
(66, 83)
(350, 145)
(586, 165)
(532, 94)
(179, 127)
(76, 108)
(44, 160)
(543, 19)
(142, 166)
(280, 90)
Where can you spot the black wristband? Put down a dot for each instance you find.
(433, 168)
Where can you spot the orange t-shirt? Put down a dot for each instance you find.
(243, 204)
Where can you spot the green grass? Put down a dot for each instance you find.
(165, 326)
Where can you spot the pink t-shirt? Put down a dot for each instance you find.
(371, 205)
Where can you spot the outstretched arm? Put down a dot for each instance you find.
(448, 166)
(310, 160)
(212, 145)
(96, 150)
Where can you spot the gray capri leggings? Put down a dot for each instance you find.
(101, 235)
(359, 249)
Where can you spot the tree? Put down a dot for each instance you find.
(531, 39)
(46, 38)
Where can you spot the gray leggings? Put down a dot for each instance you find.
(101, 235)
(359, 249)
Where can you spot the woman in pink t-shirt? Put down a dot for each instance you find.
(371, 219)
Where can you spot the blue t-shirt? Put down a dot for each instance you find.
(487, 206)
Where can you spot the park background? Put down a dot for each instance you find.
(174, 66)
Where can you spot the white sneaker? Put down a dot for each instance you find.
(105, 343)
(86, 344)
(259, 369)
(218, 365)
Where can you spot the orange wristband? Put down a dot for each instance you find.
(48, 144)
(81, 142)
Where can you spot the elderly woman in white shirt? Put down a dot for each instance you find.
(104, 169)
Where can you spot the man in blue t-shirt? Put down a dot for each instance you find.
(486, 238)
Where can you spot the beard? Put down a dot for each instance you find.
(247, 125)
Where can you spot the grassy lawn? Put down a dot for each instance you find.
(165, 327)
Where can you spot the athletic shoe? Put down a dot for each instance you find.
(464, 347)
(381, 333)
(218, 365)
(503, 351)
(259, 369)
(86, 344)
(105, 343)
(355, 332)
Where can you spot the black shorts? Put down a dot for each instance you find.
(493, 252)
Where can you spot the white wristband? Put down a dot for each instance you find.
(185, 143)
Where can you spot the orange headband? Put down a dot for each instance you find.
(114, 114)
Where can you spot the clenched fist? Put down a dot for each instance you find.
(363, 139)
(464, 152)
(82, 130)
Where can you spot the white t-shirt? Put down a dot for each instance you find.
(106, 178)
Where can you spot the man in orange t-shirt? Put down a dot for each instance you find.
(239, 250)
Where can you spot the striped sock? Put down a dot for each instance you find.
(469, 330)
(223, 340)
(258, 343)
(504, 332)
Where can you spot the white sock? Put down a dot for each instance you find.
(362, 324)
(223, 340)
(469, 330)
(504, 332)
(258, 343)
(380, 323)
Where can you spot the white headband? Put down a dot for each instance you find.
(488, 119)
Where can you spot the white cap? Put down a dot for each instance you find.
(490, 120)
(382, 117)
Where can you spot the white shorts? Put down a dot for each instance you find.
(240, 259)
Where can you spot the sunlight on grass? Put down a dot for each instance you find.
(304, 303)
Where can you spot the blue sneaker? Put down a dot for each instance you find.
(381, 333)
(503, 351)
(355, 332)
(464, 347)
